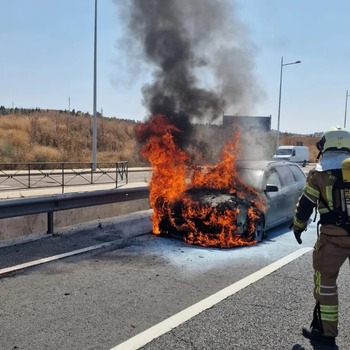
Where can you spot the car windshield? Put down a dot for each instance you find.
(284, 152)
(252, 177)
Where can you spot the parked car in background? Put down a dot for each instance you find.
(297, 154)
(279, 182)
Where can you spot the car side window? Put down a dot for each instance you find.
(272, 178)
(298, 174)
(285, 174)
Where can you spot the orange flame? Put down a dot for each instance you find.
(172, 175)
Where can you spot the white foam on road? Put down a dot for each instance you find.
(192, 260)
(170, 323)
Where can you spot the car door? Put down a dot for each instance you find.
(299, 183)
(275, 212)
(292, 186)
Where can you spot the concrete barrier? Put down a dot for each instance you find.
(32, 226)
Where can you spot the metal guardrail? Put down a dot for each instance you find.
(15, 176)
(50, 204)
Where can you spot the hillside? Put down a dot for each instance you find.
(34, 135)
(62, 136)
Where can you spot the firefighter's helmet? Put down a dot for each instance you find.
(334, 139)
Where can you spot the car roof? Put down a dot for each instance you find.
(259, 164)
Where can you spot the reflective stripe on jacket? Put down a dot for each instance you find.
(318, 191)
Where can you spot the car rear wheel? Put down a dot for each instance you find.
(259, 233)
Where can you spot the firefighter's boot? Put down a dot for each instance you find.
(316, 338)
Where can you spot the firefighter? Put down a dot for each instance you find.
(328, 190)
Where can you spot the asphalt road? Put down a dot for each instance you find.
(132, 292)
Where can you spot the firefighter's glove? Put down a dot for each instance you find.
(297, 233)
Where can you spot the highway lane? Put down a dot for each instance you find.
(102, 298)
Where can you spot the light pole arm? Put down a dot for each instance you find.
(279, 100)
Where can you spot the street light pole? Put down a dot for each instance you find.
(94, 126)
(279, 99)
(346, 107)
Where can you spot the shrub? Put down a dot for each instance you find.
(44, 154)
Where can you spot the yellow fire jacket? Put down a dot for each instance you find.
(319, 194)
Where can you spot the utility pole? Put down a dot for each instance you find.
(346, 107)
(279, 99)
(69, 103)
(94, 126)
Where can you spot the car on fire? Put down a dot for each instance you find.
(279, 183)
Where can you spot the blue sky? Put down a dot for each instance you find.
(47, 59)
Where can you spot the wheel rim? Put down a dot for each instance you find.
(259, 230)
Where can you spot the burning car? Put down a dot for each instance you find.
(281, 183)
(201, 215)
(213, 217)
(231, 203)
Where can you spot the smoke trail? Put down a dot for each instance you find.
(201, 57)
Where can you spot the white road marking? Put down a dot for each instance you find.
(52, 258)
(170, 323)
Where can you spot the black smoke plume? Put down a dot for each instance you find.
(201, 57)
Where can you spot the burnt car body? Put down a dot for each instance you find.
(279, 182)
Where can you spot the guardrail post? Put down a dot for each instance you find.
(116, 174)
(62, 166)
(50, 222)
(29, 175)
(127, 172)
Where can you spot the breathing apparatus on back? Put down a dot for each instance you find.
(345, 191)
(338, 139)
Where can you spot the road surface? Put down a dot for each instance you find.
(138, 290)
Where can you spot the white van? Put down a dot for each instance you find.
(297, 154)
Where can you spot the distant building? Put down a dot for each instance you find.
(262, 123)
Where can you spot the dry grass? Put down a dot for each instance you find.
(57, 136)
(61, 136)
